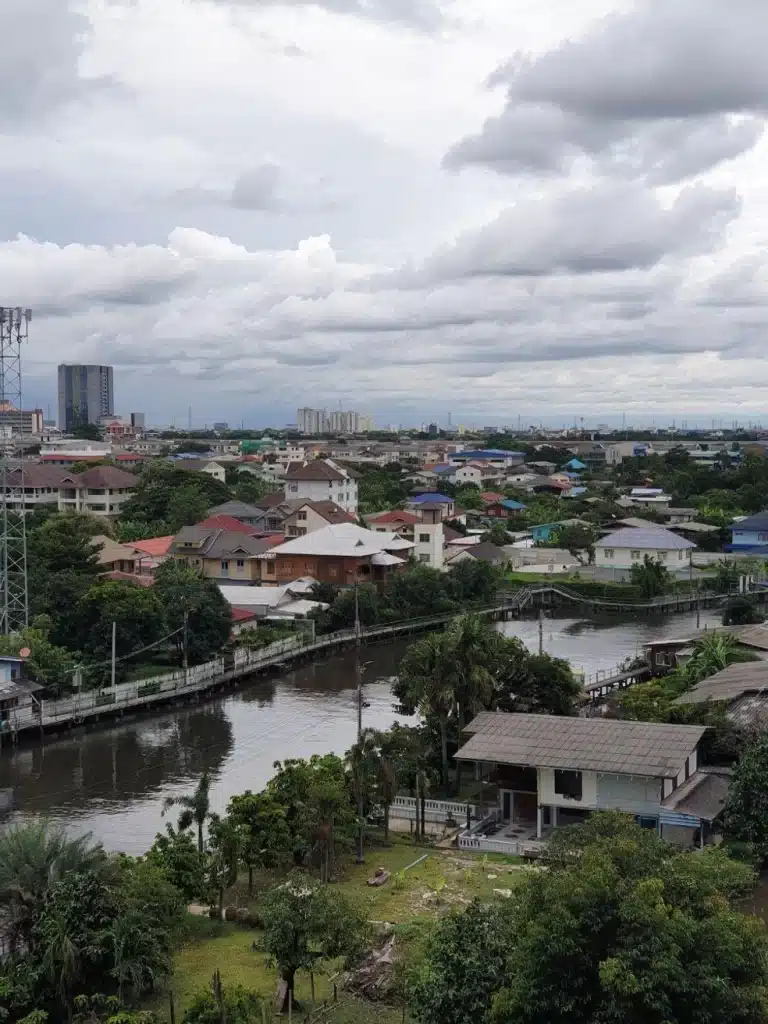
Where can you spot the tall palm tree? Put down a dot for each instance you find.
(196, 808)
(33, 858)
(428, 672)
(473, 656)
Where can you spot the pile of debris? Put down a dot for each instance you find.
(374, 979)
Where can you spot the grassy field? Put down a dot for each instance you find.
(445, 879)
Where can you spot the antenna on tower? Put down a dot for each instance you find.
(14, 588)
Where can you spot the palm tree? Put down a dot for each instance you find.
(473, 656)
(387, 784)
(427, 673)
(195, 808)
(711, 654)
(61, 960)
(33, 858)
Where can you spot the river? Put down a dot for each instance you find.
(112, 779)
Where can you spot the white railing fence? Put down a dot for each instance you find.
(436, 811)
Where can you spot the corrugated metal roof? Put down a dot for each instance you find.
(729, 684)
(646, 539)
(584, 744)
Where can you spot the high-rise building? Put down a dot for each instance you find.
(85, 394)
(20, 421)
(312, 421)
(138, 420)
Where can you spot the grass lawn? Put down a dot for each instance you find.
(443, 880)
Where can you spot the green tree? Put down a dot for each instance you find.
(651, 576)
(425, 684)
(307, 924)
(623, 927)
(535, 684)
(62, 565)
(181, 589)
(475, 656)
(156, 496)
(474, 582)
(186, 506)
(579, 541)
(140, 623)
(745, 816)
(225, 843)
(195, 808)
(84, 431)
(496, 534)
(251, 489)
(741, 610)
(468, 497)
(34, 857)
(47, 664)
(464, 964)
(232, 1003)
(176, 853)
(261, 820)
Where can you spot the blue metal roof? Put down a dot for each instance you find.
(513, 505)
(756, 522)
(442, 499)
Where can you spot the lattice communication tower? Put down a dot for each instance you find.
(14, 589)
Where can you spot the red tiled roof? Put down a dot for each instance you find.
(227, 523)
(155, 546)
(406, 518)
(491, 497)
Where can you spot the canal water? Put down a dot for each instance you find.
(112, 779)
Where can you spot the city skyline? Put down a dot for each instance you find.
(506, 208)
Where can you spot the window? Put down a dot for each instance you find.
(636, 556)
(608, 552)
(225, 567)
(762, 536)
(301, 516)
(662, 556)
(301, 531)
(568, 784)
(679, 556)
(293, 488)
(423, 558)
(651, 824)
(241, 563)
(333, 571)
(270, 569)
(423, 538)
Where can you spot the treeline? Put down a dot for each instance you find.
(418, 591)
(72, 609)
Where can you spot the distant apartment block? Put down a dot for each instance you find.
(86, 394)
(318, 421)
(138, 421)
(20, 421)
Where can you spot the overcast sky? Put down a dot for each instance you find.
(545, 208)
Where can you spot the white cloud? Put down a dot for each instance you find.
(245, 206)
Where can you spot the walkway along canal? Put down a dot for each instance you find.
(45, 715)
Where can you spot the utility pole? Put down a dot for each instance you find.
(359, 682)
(114, 642)
(185, 654)
(541, 631)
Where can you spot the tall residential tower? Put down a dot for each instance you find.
(85, 394)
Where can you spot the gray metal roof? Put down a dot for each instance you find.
(702, 795)
(19, 688)
(729, 684)
(586, 744)
(659, 539)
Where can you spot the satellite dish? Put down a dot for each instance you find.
(24, 652)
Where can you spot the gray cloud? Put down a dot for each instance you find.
(425, 15)
(610, 227)
(669, 90)
(42, 42)
(258, 189)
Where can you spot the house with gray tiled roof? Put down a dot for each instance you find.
(550, 770)
(623, 548)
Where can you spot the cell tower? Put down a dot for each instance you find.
(14, 594)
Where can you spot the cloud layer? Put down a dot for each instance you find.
(246, 231)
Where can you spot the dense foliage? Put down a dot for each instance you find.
(167, 498)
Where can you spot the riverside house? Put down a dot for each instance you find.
(548, 770)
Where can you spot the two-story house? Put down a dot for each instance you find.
(100, 491)
(550, 770)
(322, 480)
(343, 554)
(307, 516)
(225, 554)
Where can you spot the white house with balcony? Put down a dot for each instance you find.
(322, 480)
(551, 770)
(623, 548)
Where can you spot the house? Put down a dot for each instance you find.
(434, 498)
(750, 534)
(675, 516)
(396, 521)
(478, 473)
(344, 554)
(556, 485)
(100, 491)
(114, 557)
(481, 552)
(493, 456)
(209, 466)
(615, 454)
(551, 770)
(151, 553)
(322, 480)
(672, 652)
(650, 497)
(224, 554)
(741, 687)
(17, 695)
(575, 466)
(291, 601)
(308, 516)
(507, 508)
(544, 532)
(620, 550)
(491, 497)
(246, 513)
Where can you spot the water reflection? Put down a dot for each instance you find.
(112, 779)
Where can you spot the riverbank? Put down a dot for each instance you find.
(111, 777)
